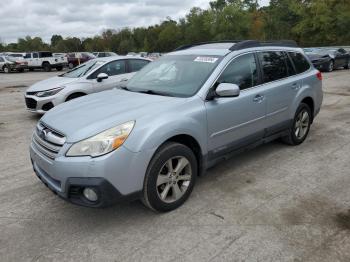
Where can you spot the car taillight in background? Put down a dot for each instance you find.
(319, 75)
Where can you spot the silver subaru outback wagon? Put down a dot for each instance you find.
(176, 117)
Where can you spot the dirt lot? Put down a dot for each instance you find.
(276, 203)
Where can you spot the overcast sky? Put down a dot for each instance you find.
(82, 18)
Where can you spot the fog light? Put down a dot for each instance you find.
(90, 194)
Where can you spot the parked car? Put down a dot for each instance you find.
(104, 54)
(44, 60)
(9, 64)
(131, 54)
(93, 76)
(18, 55)
(75, 59)
(327, 60)
(176, 117)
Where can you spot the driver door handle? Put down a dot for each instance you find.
(258, 98)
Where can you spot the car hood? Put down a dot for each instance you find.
(89, 115)
(51, 83)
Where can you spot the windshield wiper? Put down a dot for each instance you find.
(152, 92)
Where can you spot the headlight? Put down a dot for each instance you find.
(102, 143)
(50, 92)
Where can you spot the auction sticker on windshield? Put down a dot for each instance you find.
(206, 59)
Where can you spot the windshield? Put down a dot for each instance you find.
(174, 75)
(83, 69)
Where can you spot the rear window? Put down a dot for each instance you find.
(136, 65)
(300, 62)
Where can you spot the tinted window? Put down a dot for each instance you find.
(45, 54)
(1, 59)
(112, 68)
(300, 62)
(35, 55)
(289, 64)
(136, 65)
(242, 71)
(273, 66)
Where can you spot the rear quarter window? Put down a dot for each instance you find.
(301, 64)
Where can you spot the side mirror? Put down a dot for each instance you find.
(227, 90)
(101, 76)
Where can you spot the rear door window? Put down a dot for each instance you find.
(136, 64)
(273, 66)
(290, 67)
(300, 62)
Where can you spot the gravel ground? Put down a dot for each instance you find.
(275, 203)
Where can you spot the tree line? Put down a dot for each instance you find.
(309, 22)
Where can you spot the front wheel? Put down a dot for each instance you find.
(6, 69)
(170, 177)
(330, 67)
(300, 127)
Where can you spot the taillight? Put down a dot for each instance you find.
(319, 75)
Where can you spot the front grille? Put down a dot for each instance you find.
(47, 141)
(31, 103)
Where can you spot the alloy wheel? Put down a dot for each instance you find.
(174, 179)
(302, 124)
(331, 66)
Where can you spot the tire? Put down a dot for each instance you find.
(59, 68)
(163, 198)
(347, 66)
(47, 67)
(70, 66)
(73, 96)
(330, 67)
(296, 137)
(6, 69)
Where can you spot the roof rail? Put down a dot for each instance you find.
(253, 43)
(183, 47)
(244, 44)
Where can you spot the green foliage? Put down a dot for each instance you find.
(309, 22)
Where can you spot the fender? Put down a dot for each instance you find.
(154, 133)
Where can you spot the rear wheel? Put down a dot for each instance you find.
(300, 127)
(70, 66)
(46, 67)
(170, 177)
(347, 66)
